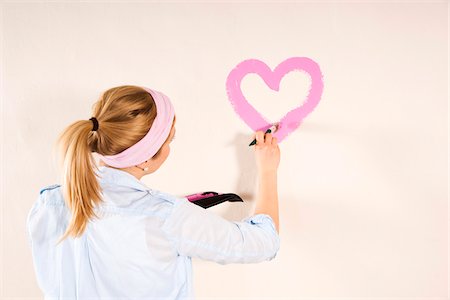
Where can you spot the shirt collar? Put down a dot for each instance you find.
(120, 178)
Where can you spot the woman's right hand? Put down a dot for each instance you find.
(267, 152)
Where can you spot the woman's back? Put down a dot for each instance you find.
(140, 246)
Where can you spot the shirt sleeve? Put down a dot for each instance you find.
(42, 231)
(197, 232)
(31, 213)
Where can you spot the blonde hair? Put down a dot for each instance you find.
(125, 115)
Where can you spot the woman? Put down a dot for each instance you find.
(103, 234)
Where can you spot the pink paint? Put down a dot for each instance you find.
(293, 118)
(197, 196)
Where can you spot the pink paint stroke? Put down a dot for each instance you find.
(293, 119)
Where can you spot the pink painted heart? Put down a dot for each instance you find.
(293, 118)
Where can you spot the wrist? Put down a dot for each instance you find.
(267, 172)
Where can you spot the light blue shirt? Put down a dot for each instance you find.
(142, 245)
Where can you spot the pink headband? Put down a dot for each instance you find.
(150, 144)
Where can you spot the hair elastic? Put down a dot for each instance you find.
(94, 120)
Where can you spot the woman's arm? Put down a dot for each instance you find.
(267, 197)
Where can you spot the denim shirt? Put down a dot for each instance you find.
(142, 244)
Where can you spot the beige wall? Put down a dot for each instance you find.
(362, 182)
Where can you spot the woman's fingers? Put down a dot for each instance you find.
(262, 138)
(259, 137)
(268, 138)
(274, 141)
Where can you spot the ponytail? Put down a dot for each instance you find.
(81, 189)
(125, 114)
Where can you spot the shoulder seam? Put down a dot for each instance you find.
(49, 187)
